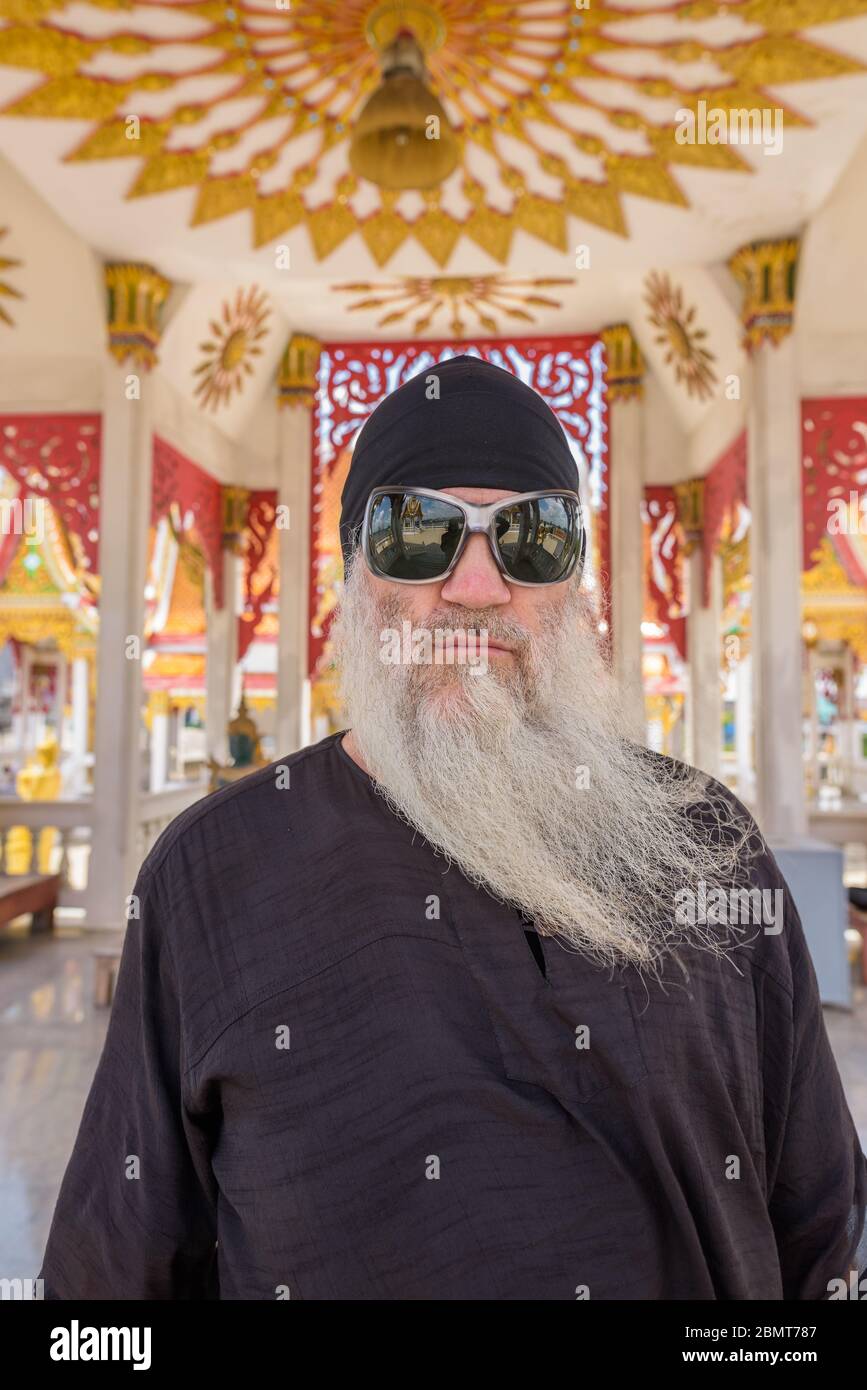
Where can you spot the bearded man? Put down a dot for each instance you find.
(478, 999)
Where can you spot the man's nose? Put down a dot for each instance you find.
(475, 581)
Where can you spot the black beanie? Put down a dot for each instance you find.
(480, 426)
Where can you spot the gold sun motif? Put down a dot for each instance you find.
(234, 342)
(566, 109)
(7, 290)
(478, 295)
(678, 334)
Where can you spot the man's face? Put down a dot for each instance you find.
(477, 586)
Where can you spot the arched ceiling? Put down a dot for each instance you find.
(566, 118)
(573, 205)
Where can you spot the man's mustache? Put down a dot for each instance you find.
(496, 628)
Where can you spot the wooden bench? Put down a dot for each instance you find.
(33, 893)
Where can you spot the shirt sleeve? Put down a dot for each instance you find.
(817, 1171)
(136, 1214)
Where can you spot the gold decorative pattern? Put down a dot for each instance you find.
(835, 608)
(768, 272)
(228, 354)
(735, 560)
(296, 378)
(625, 371)
(159, 702)
(689, 496)
(678, 334)
(479, 295)
(507, 75)
(7, 291)
(179, 665)
(136, 294)
(236, 504)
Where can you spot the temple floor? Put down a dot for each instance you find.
(50, 1040)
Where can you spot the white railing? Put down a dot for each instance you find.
(56, 836)
(159, 809)
(843, 825)
(49, 836)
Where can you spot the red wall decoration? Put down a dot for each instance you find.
(177, 479)
(834, 466)
(260, 579)
(664, 570)
(57, 457)
(725, 491)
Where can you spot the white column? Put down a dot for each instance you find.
(626, 426)
(80, 717)
(222, 625)
(703, 649)
(774, 485)
(744, 726)
(767, 272)
(24, 740)
(297, 386)
(159, 742)
(125, 502)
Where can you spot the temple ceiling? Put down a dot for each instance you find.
(204, 135)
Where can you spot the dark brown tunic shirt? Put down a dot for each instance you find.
(335, 1069)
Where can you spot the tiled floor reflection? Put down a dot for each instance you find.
(50, 1040)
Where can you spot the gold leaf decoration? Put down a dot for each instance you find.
(485, 298)
(7, 291)
(227, 355)
(679, 335)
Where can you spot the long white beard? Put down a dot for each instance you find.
(523, 777)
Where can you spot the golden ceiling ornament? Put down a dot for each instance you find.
(678, 334)
(625, 365)
(768, 272)
(297, 374)
(540, 78)
(482, 296)
(234, 342)
(7, 291)
(402, 137)
(136, 294)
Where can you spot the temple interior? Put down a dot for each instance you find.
(217, 257)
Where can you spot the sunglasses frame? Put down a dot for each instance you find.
(479, 519)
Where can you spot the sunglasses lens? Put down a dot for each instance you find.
(538, 540)
(413, 537)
